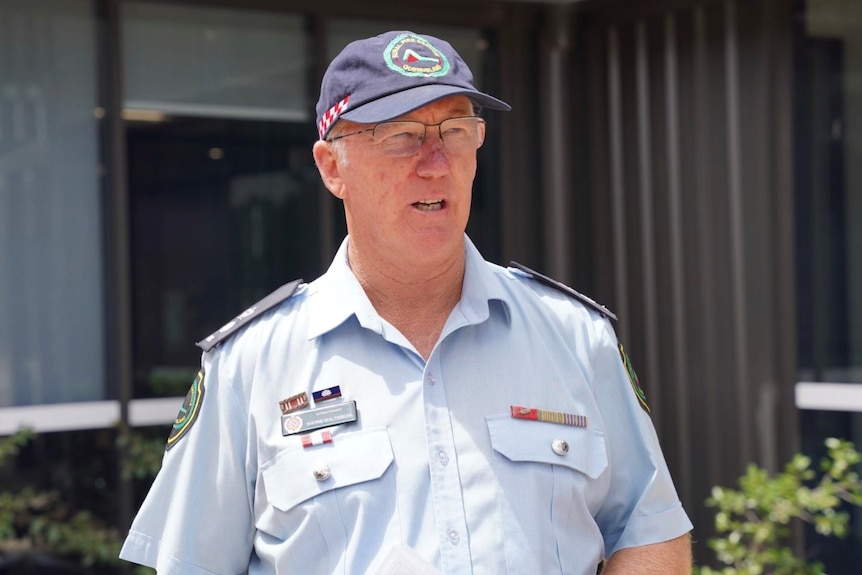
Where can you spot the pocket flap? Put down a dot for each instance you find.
(297, 473)
(581, 449)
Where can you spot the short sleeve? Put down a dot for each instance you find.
(197, 517)
(642, 506)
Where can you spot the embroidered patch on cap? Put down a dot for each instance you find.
(189, 411)
(413, 55)
(633, 379)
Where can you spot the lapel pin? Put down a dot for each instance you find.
(293, 403)
(316, 438)
(328, 393)
(533, 414)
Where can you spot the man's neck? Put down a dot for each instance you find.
(416, 297)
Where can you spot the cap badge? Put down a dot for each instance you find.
(412, 55)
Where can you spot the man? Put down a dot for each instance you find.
(416, 409)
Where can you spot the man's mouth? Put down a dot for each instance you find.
(429, 205)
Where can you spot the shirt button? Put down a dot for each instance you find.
(431, 379)
(322, 473)
(560, 446)
(453, 536)
(443, 458)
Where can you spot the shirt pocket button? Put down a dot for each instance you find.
(560, 446)
(321, 473)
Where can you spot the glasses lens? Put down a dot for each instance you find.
(403, 139)
(399, 139)
(461, 134)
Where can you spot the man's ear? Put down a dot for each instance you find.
(327, 165)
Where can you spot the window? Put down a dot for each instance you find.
(51, 294)
(225, 198)
(829, 238)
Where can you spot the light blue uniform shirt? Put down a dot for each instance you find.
(435, 461)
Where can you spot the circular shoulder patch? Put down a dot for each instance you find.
(189, 411)
(412, 55)
(633, 379)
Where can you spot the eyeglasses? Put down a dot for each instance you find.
(400, 139)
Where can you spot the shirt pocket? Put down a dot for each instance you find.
(580, 449)
(298, 474)
(312, 503)
(551, 480)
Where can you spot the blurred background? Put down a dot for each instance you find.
(695, 165)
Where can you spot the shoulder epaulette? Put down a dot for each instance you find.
(565, 289)
(267, 303)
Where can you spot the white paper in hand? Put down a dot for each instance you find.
(406, 561)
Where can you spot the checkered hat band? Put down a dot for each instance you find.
(331, 116)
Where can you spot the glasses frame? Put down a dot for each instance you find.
(438, 125)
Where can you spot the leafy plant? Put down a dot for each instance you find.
(143, 455)
(33, 521)
(170, 381)
(754, 522)
(12, 445)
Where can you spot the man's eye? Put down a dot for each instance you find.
(399, 136)
(454, 131)
(397, 133)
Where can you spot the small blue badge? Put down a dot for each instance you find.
(328, 393)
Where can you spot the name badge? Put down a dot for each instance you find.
(318, 418)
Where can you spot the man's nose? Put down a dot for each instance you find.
(433, 160)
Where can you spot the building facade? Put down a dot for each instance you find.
(694, 165)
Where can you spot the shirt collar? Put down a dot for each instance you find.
(337, 294)
(481, 286)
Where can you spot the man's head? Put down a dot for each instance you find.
(398, 139)
(389, 75)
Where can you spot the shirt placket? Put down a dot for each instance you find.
(447, 496)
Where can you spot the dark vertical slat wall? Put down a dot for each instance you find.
(521, 180)
(556, 120)
(739, 270)
(617, 176)
(647, 251)
(691, 224)
(678, 363)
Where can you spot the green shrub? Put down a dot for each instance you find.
(754, 522)
(39, 522)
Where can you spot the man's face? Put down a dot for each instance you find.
(411, 207)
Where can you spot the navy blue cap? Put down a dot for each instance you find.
(380, 78)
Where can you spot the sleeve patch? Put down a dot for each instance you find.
(633, 379)
(188, 411)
